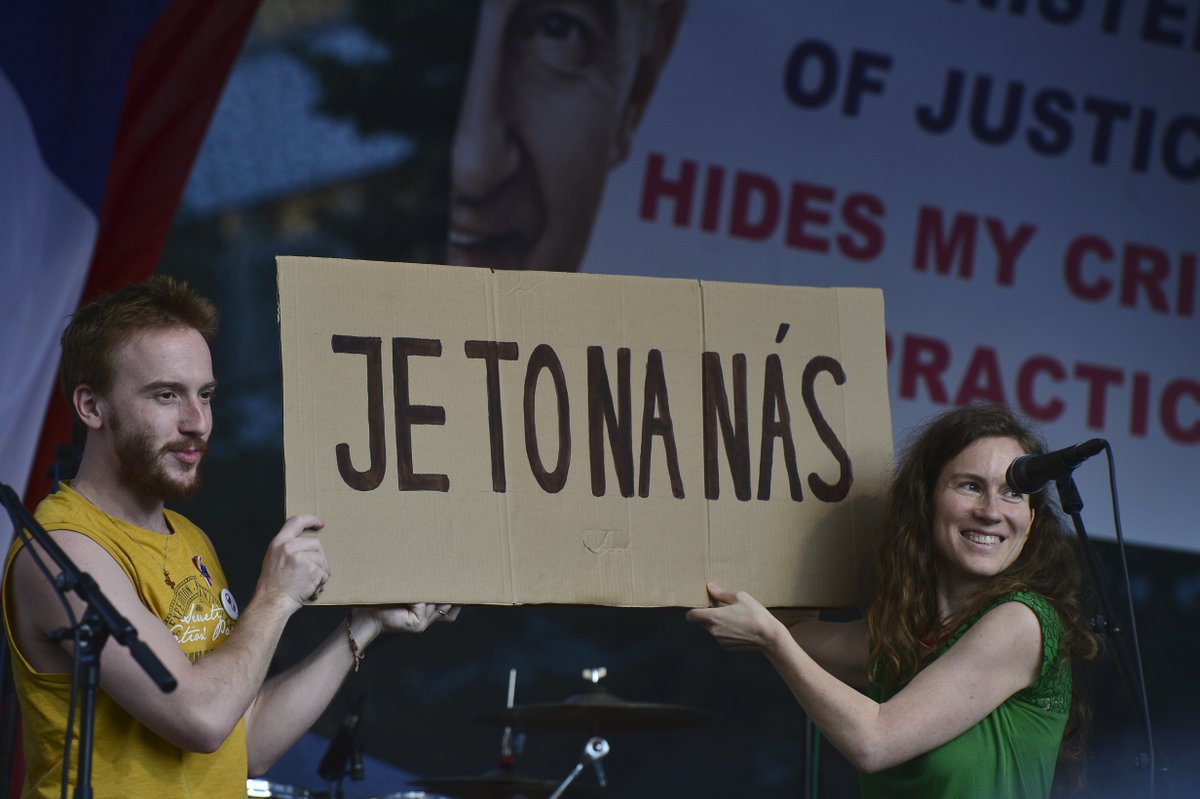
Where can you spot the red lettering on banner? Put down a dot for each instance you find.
(1145, 268)
(1169, 409)
(1139, 404)
(925, 359)
(982, 380)
(1077, 251)
(1136, 275)
(1008, 248)
(1027, 375)
(860, 212)
(1098, 379)
(1187, 285)
(808, 208)
(755, 212)
(713, 186)
(681, 190)
(757, 207)
(928, 368)
(954, 244)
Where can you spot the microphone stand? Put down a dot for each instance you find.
(1130, 667)
(343, 758)
(8, 719)
(100, 621)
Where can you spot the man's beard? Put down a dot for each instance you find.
(139, 465)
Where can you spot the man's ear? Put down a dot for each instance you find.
(90, 409)
(668, 14)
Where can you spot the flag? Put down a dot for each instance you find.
(103, 107)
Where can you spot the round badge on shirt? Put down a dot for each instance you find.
(231, 606)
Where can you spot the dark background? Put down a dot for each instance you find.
(421, 692)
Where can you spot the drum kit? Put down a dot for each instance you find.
(595, 713)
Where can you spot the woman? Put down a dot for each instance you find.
(965, 652)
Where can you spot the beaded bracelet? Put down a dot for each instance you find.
(354, 650)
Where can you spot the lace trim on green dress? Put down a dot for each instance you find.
(1052, 690)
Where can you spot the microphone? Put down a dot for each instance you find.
(1029, 474)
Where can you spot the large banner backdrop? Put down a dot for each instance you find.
(1021, 179)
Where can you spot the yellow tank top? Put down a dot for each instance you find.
(128, 759)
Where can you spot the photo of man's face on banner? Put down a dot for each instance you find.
(553, 98)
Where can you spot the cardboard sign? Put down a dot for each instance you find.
(475, 437)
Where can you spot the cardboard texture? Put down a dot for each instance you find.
(484, 437)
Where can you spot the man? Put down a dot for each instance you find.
(554, 94)
(137, 370)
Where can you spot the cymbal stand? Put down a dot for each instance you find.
(593, 752)
(510, 748)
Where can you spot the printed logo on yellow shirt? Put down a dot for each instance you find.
(197, 617)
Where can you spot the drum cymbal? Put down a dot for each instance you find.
(502, 785)
(598, 712)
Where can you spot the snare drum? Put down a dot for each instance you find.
(261, 789)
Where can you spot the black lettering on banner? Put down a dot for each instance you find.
(1161, 20)
(1112, 16)
(1051, 107)
(825, 60)
(544, 357)
(655, 396)
(1172, 147)
(1068, 13)
(735, 434)
(776, 423)
(369, 480)
(492, 352)
(983, 128)
(1003, 130)
(861, 82)
(620, 423)
(408, 415)
(822, 490)
(817, 56)
(1119, 130)
(1106, 114)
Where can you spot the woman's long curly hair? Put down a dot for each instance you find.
(903, 607)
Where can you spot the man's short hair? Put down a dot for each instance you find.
(100, 327)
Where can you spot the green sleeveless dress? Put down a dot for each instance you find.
(1011, 753)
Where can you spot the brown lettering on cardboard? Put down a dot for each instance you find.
(369, 480)
(408, 414)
